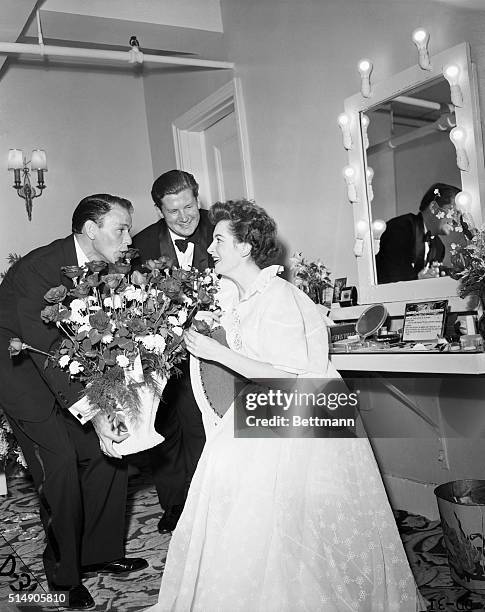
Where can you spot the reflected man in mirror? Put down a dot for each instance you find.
(410, 247)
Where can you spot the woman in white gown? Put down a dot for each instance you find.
(279, 524)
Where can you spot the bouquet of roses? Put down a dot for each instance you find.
(311, 277)
(123, 330)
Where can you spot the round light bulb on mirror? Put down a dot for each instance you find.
(420, 38)
(349, 176)
(344, 122)
(364, 122)
(452, 73)
(378, 228)
(361, 229)
(463, 201)
(365, 67)
(458, 137)
(349, 173)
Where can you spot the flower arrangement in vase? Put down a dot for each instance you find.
(123, 333)
(312, 277)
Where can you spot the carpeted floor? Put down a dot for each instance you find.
(22, 543)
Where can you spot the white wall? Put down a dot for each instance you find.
(92, 124)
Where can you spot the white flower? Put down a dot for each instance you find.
(107, 338)
(112, 303)
(188, 301)
(64, 360)
(177, 330)
(77, 305)
(182, 317)
(84, 327)
(172, 320)
(122, 361)
(75, 367)
(135, 294)
(76, 317)
(151, 342)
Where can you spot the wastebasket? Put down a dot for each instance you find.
(461, 504)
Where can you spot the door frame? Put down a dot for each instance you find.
(188, 135)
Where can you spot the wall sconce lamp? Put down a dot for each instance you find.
(378, 228)
(420, 38)
(452, 72)
(17, 162)
(361, 229)
(458, 137)
(369, 174)
(344, 122)
(349, 176)
(364, 122)
(365, 68)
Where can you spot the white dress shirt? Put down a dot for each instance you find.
(184, 259)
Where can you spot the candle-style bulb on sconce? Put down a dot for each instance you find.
(458, 137)
(18, 163)
(420, 38)
(344, 122)
(364, 122)
(378, 228)
(361, 229)
(365, 67)
(349, 176)
(452, 73)
(369, 175)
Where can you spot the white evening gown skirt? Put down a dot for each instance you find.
(274, 525)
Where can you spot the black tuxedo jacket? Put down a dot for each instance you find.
(28, 390)
(155, 241)
(401, 253)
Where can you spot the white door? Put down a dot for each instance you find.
(211, 142)
(224, 167)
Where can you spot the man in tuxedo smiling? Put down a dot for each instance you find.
(182, 235)
(410, 248)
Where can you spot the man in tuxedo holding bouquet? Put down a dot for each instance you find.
(82, 491)
(182, 235)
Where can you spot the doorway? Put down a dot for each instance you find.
(211, 142)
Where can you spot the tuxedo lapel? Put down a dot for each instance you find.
(419, 243)
(166, 245)
(68, 257)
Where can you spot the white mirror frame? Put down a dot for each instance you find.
(472, 181)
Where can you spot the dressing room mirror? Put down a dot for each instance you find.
(400, 147)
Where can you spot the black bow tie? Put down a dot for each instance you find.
(182, 244)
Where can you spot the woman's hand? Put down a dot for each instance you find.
(212, 317)
(202, 346)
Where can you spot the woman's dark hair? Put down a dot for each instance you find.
(441, 193)
(94, 208)
(251, 224)
(171, 183)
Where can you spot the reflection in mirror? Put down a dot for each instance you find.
(410, 150)
(403, 141)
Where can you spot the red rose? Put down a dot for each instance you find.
(56, 294)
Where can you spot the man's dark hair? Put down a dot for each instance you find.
(94, 208)
(171, 183)
(441, 193)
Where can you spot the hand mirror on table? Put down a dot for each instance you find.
(371, 321)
